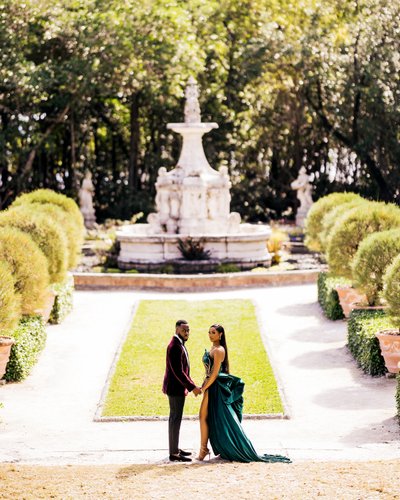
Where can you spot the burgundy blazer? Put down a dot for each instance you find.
(177, 381)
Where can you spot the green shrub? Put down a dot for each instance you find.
(363, 345)
(391, 290)
(72, 221)
(28, 266)
(373, 256)
(63, 302)
(227, 268)
(10, 302)
(193, 249)
(355, 225)
(63, 221)
(30, 338)
(329, 220)
(328, 297)
(316, 214)
(45, 233)
(398, 395)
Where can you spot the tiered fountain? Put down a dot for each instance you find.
(193, 205)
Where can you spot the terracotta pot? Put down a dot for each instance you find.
(389, 342)
(48, 306)
(5, 349)
(349, 297)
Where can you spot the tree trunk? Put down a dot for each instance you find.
(134, 142)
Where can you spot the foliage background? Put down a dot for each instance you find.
(91, 85)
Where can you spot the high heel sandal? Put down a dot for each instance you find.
(204, 451)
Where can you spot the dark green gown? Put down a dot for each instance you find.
(225, 404)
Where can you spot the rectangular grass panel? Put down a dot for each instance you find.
(135, 388)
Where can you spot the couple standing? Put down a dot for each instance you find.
(221, 408)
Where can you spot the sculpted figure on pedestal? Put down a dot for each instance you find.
(86, 201)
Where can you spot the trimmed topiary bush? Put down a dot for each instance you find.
(61, 218)
(329, 220)
(328, 297)
(28, 266)
(313, 223)
(391, 290)
(30, 338)
(352, 228)
(49, 237)
(364, 346)
(63, 301)
(373, 256)
(74, 219)
(10, 302)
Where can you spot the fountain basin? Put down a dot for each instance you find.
(246, 248)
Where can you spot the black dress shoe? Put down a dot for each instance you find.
(185, 453)
(179, 458)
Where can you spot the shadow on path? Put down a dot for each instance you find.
(382, 432)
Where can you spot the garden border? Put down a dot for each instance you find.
(192, 282)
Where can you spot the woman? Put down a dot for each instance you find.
(221, 408)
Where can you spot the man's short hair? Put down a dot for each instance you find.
(181, 322)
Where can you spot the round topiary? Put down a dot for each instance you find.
(329, 220)
(49, 237)
(313, 222)
(391, 290)
(61, 218)
(46, 196)
(355, 225)
(28, 266)
(373, 256)
(10, 302)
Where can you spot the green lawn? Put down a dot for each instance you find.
(135, 388)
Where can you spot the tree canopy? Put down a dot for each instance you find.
(91, 85)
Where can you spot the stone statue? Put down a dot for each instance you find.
(86, 201)
(304, 189)
(192, 106)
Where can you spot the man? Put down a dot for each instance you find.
(177, 383)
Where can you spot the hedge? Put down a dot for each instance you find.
(28, 266)
(364, 346)
(63, 302)
(30, 338)
(328, 297)
(49, 237)
(10, 302)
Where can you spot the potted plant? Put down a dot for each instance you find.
(5, 349)
(389, 339)
(375, 253)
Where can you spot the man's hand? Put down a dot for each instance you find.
(197, 391)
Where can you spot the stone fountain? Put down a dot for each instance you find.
(193, 205)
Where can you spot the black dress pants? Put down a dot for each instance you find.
(176, 404)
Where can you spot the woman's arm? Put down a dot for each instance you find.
(219, 355)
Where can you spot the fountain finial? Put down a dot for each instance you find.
(192, 106)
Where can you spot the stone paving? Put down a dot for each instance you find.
(336, 412)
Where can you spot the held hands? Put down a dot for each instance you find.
(197, 391)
